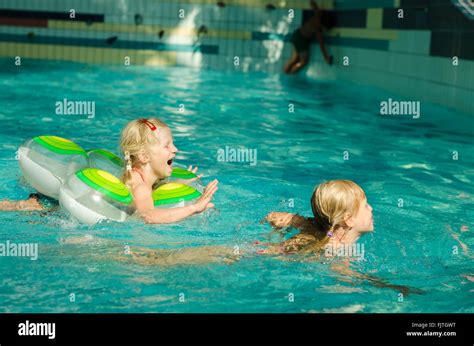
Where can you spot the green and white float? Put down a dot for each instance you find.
(46, 161)
(87, 183)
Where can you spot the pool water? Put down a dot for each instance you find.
(304, 132)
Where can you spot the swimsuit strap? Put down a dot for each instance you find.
(138, 171)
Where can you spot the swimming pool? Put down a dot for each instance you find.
(304, 132)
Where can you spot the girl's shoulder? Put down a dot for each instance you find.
(135, 181)
(140, 188)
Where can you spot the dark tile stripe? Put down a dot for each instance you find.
(345, 19)
(444, 15)
(81, 17)
(336, 41)
(414, 3)
(357, 4)
(449, 44)
(89, 42)
(413, 19)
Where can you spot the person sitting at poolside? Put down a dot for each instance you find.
(301, 40)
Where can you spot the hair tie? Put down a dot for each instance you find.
(149, 124)
(330, 234)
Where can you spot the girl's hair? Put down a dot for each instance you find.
(137, 136)
(332, 202)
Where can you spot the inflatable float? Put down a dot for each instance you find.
(87, 183)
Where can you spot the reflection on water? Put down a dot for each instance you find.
(392, 158)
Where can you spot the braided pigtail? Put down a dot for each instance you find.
(136, 138)
(127, 174)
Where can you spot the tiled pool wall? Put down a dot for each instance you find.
(428, 55)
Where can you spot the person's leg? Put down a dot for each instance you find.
(29, 204)
(328, 58)
(293, 60)
(302, 62)
(109, 249)
(183, 256)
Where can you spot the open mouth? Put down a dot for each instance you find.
(170, 162)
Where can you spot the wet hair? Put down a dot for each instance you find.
(334, 201)
(135, 137)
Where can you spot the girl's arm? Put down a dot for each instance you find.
(282, 220)
(146, 209)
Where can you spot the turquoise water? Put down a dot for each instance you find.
(391, 157)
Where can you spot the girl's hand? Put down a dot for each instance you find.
(279, 219)
(193, 170)
(204, 202)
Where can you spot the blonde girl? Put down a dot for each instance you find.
(149, 151)
(341, 216)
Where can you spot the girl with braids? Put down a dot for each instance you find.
(148, 149)
(147, 145)
(341, 216)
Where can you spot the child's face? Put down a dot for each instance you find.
(363, 220)
(162, 153)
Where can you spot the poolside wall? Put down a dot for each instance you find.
(410, 56)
